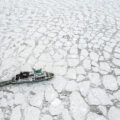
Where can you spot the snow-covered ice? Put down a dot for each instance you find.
(114, 113)
(77, 40)
(109, 81)
(78, 106)
(98, 96)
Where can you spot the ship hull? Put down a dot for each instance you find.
(28, 78)
(34, 81)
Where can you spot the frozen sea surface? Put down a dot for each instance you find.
(79, 41)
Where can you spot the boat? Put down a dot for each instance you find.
(29, 77)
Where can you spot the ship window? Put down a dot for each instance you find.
(17, 77)
(24, 74)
